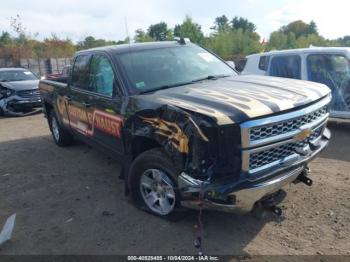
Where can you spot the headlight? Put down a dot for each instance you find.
(5, 92)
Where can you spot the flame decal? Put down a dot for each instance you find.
(171, 131)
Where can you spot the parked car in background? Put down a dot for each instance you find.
(187, 129)
(326, 65)
(60, 77)
(19, 93)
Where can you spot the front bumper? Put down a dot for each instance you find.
(18, 103)
(31, 102)
(241, 196)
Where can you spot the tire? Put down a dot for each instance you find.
(60, 136)
(152, 176)
(347, 99)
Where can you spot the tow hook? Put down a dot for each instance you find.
(269, 204)
(303, 177)
(276, 210)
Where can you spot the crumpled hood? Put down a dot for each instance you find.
(240, 98)
(21, 85)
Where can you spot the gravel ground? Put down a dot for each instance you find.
(70, 201)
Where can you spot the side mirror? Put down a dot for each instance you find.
(231, 64)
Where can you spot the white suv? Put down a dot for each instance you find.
(326, 65)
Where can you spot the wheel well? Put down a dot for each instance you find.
(141, 144)
(48, 108)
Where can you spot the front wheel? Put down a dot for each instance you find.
(152, 182)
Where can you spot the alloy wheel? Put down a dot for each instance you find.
(157, 191)
(55, 130)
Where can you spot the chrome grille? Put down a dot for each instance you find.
(263, 158)
(271, 155)
(282, 127)
(29, 93)
(317, 133)
(273, 140)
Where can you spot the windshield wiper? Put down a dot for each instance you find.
(209, 77)
(166, 87)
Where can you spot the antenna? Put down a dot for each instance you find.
(126, 29)
(182, 40)
(127, 33)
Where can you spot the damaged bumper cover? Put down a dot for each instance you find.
(14, 105)
(17, 101)
(240, 196)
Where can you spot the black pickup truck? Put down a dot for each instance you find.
(186, 128)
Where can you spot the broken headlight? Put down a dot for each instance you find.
(5, 92)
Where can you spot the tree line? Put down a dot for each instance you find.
(229, 38)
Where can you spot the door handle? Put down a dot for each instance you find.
(68, 98)
(86, 104)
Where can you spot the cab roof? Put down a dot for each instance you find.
(125, 48)
(312, 49)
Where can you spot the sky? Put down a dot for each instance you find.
(107, 19)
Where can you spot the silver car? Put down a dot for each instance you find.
(19, 91)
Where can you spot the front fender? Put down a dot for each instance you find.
(176, 131)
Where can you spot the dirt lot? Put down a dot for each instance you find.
(70, 201)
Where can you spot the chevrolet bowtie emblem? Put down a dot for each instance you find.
(304, 133)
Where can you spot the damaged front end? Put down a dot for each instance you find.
(204, 151)
(195, 143)
(272, 157)
(232, 167)
(241, 196)
(13, 103)
(231, 197)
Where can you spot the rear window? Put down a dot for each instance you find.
(286, 66)
(80, 73)
(101, 76)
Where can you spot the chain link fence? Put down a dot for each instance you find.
(40, 67)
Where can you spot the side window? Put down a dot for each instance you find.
(101, 76)
(264, 63)
(241, 64)
(80, 72)
(286, 66)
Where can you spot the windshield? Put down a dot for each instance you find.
(332, 70)
(16, 75)
(149, 70)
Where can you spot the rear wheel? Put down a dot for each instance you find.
(152, 182)
(61, 136)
